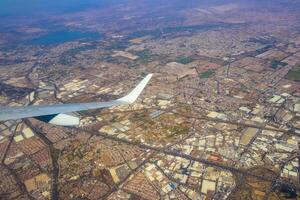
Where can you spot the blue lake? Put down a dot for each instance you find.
(63, 36)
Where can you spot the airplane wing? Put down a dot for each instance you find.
(51, 111)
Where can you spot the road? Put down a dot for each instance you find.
(177, 154)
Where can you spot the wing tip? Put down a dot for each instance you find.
(135, 93)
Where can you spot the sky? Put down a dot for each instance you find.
(30, 7)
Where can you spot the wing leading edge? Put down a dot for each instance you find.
(13, 113)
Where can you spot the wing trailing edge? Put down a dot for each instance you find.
(14, 113)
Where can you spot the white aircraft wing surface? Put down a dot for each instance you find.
(13, 113)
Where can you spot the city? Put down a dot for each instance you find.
(220, 118)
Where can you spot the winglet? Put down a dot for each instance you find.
(134, 94)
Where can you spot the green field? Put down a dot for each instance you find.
(294, 74)
(275, 64)
(177, 130)
(207, 74)
(184, 60)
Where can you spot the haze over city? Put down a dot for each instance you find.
(219, 119)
